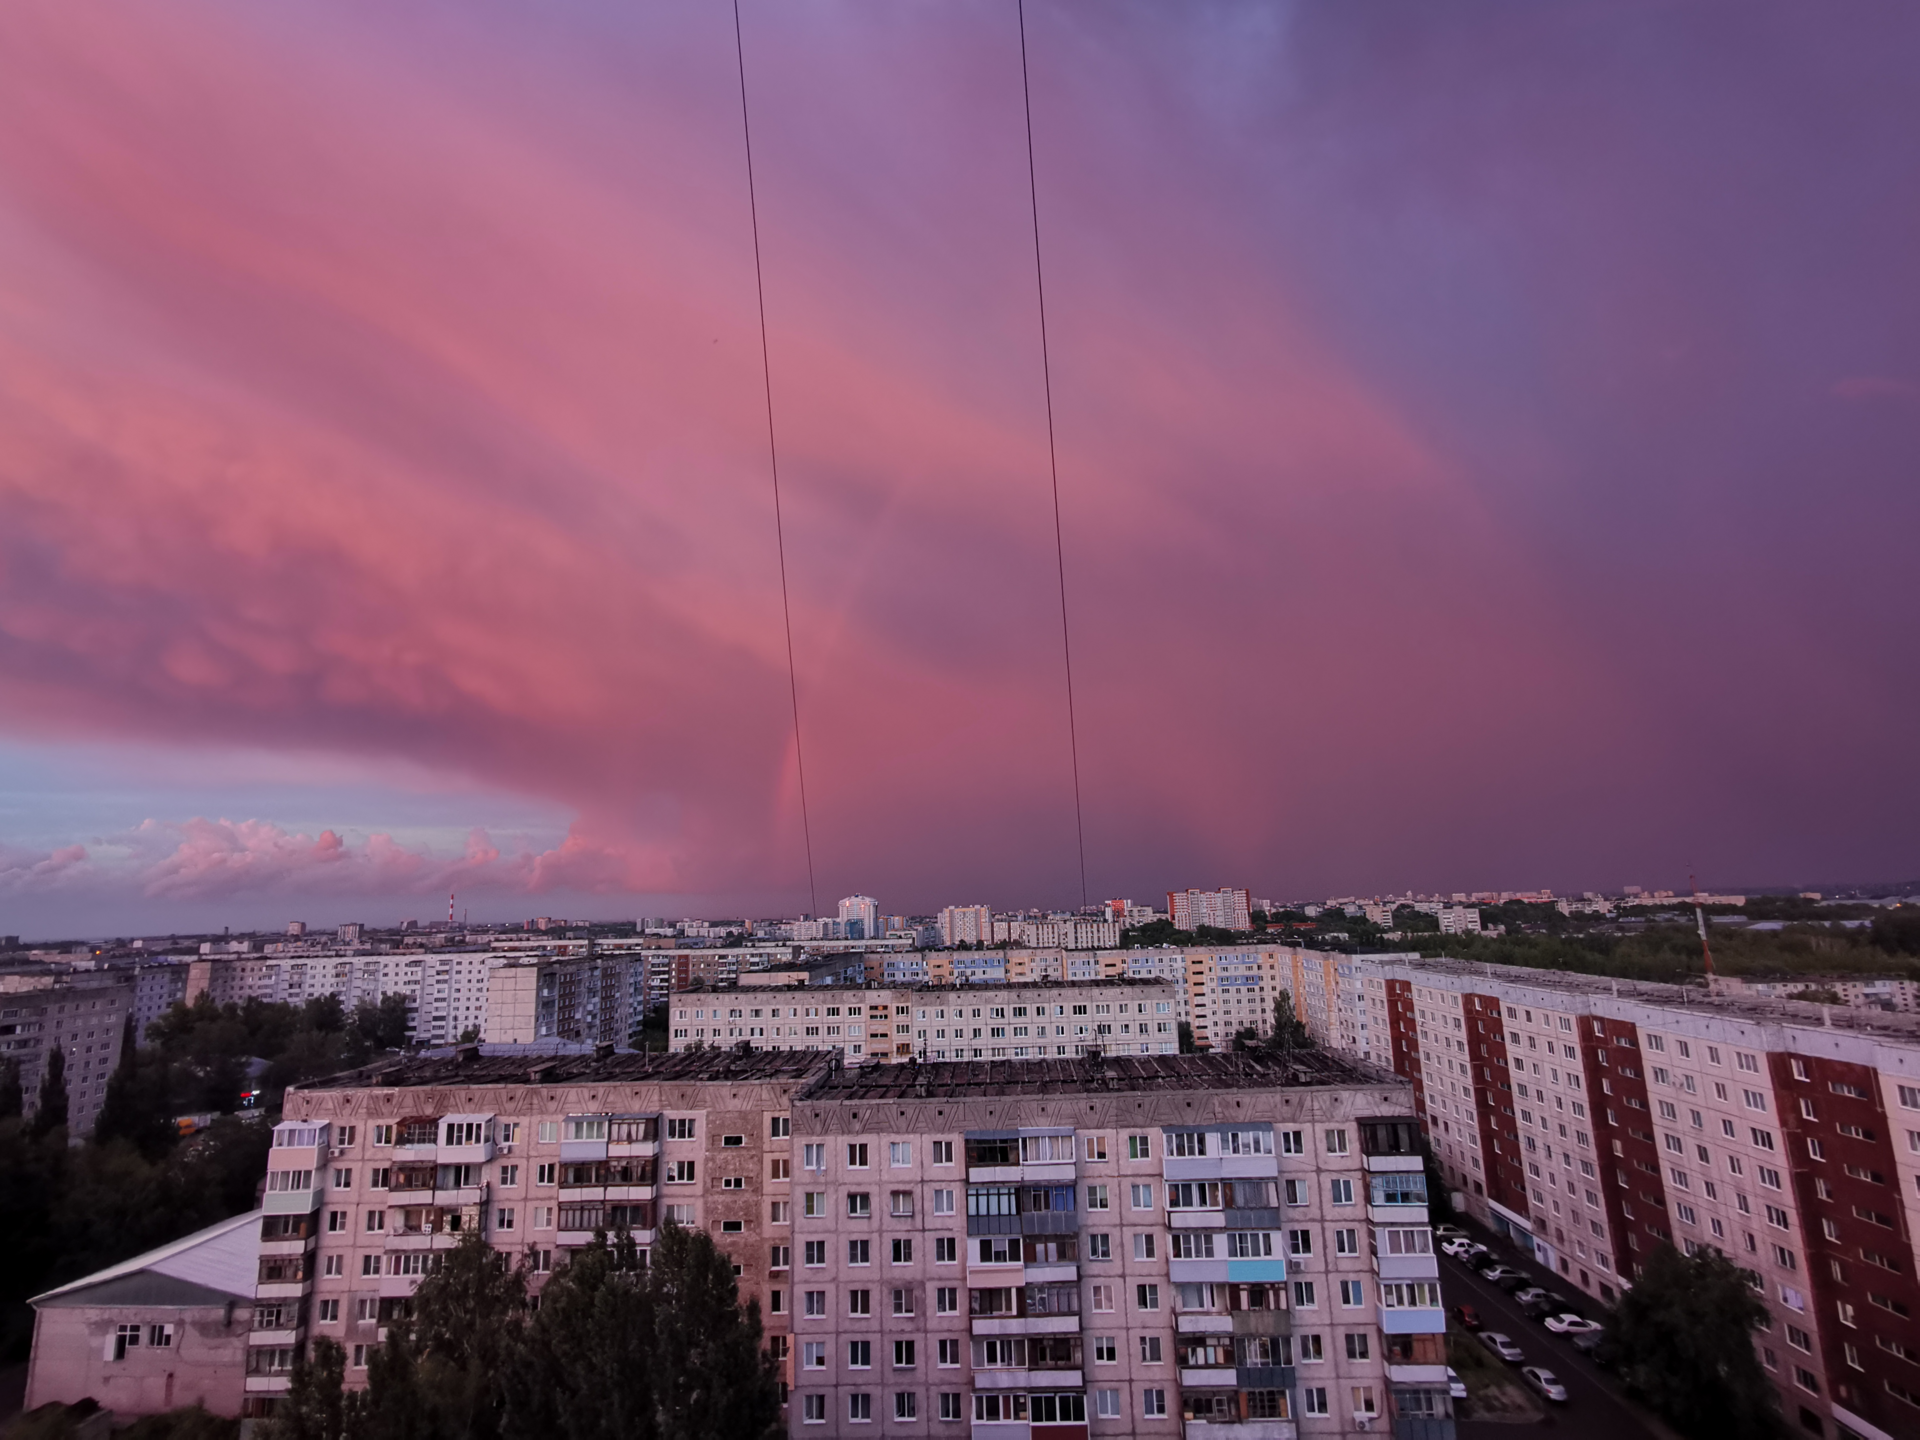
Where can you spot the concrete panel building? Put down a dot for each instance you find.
(1139, 1246)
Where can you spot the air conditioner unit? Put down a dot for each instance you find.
(1294, 1267)
(1363, 1422)
(506, 1149)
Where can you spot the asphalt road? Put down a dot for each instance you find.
(1593, 1410)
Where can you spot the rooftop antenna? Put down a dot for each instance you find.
(450, 895)
(1700, 919)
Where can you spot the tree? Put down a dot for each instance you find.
(1683, 1339)
(712, 1380)
(1185, 1033)
(315, 1407)
(383, 1026)
(455, 1350)
(12, 1100)
(581, 1373)
(1289, 1030)
(137, 1107)
(51, 1113)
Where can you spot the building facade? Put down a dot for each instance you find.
(872, 1024)
(84, 1015)
(1223, 909)
(1593, 1120)
(1147, 1246)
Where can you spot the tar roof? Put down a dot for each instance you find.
(468, 1066)
(1248, 1070)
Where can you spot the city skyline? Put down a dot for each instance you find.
(1458, 478)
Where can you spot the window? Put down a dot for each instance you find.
(950, 1405)
(1153, 1404)
(813, 1409)
(813, 1355)
(1106, 1350)
(857, 1156)
(1313, 1400)
(942, 1155)
(1304, 1297)
(1150, 1349)
(1296, 1192)
(859, 1205)
(943, 1202)
(1103, 1298)
(329, 1313)
(860, 1407)
(1347, 1242)
(900, 1204)
(946, 1300)
(1293, 1142)
(1340, 1191)
(1352, 1294)
(1357, 1347)
(948, 1354)
(1106, 1404)
(946, 1250)
(680, 1172)
(903, 1252)
(859, 1252)
(900, 1153)
(1336, 1142)
(676, 1130)
(1097, 1197)
(1142, 1196)
(1146, 1297)
(906, 1405)
(1139, 1148)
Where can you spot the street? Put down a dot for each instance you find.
(1593, 1410)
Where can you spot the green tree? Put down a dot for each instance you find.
(1683, 1339)
(582, 1371)
(138, 1107)
(51, 1113)
(463, 1334)
(12, 1099)
(1289, 1030)
(315, 1407)
(712, 1379)
(383, 1026)
(1185, 1033)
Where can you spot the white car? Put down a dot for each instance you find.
(1456, 1387)
(1545, 1383)
(1457, 1246)
(1500, 1345)
(1448, 1232)
(1571, 1325)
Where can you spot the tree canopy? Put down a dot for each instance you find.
(620, 1347)
(1683, 1339)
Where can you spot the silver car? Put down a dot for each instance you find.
(1545, 1383)
(1502, 1346)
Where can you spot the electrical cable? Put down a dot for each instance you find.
(1053, 460)
(773, 460)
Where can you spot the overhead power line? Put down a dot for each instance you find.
(1053, 458)
(773, 460)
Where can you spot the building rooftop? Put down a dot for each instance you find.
(1736, 1005)
(927, 987)
(468, 1065)
(1249, 1070)
(219, 1261)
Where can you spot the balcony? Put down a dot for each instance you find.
(1410, 1321)
(1025, 1325)
(1417, 1374)
(1037, 1274)
(1240, 1430)
(1203, 1322)
(1389, 1164)
(1210, 1378)
(1406, 1267)
(1028, 1379)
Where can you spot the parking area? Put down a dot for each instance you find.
(1594, 1406)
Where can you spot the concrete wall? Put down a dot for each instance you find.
(204, 1365)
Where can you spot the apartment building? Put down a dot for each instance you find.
(1157, 1246)
(966, 925)
(1223, 909)
(1139, 1246)
(84, 1015)
(373, 1171)
(1592, 1120)
(866, 1024)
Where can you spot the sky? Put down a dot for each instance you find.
(1488, 454)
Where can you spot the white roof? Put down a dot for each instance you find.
(224, 1257)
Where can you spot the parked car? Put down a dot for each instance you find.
(1448, 1232)
(1500, 1345)
(1545, 1383)
(1468, 1317)
(1588, 1342)
(1529, 1295)
(1501, 1275)
(1569, 1324)
(1460, 1247)
(1456, 1387)
(1545, 1303)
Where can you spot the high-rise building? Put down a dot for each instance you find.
(1106, 1247)
(860, 918)
(84, 1016)
(966, 925)
(1222, 909)
(1592, 1120)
